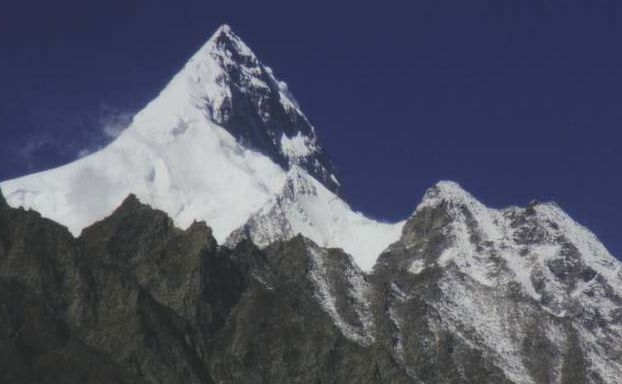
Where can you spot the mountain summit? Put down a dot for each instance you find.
(228, 82)
(215, 145)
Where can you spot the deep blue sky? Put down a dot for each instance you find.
(514, 100)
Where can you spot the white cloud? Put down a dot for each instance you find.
(110, 123)
(113, 123)
(32, 145)
(84, 152)
(90, 135)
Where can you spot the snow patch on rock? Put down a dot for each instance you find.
(357, 296)
(297, 146)
(558, 265)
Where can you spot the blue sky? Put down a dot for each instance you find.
(514, 100)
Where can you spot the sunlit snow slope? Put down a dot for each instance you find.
(306, 206)
(215, 145)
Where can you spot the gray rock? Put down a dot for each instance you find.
(136, 300)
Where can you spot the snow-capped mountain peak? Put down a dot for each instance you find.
(226, 82)
(539, 246)
(222, 142)
(495, 271)
(448, 192)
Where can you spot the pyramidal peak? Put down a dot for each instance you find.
(225, 43)
(207, 80)
(223, 52)
(220, 144)
(226, 82)
(448, 192)
(224, 32)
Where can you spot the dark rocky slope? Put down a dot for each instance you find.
(136, 300)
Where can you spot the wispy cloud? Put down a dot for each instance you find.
(84, 152)
(89, 135)
(113, 122)
(32, 146)
(110, 123)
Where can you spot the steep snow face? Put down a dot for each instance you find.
(214, 146)
(181, 153)
(502, 267)
(192, 169)
(306, 206)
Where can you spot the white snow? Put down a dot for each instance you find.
(593, 251)
(297, 146)
(485, 246)
(175, 156)
(202, 174)
(417, 266)
(495, 227)
(305, 206)
(491, 225)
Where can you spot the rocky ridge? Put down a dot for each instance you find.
(135, 299)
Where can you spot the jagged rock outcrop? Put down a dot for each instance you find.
(467, 295)
(258, 110)
(136, 300)
(480, 295)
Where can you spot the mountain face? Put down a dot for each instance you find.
(306, 206)
(208, 244)
(466, 295)
(257, 109)
(215, 145)
(527, 291)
